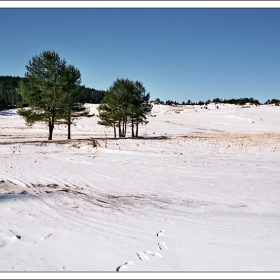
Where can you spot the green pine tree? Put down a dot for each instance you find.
(73, 109)
(44, 90)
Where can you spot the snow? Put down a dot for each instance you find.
(198, 193)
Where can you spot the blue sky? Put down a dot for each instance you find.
(177, 53)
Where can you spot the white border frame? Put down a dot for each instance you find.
(139, 4)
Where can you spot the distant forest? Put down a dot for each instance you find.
(9, 98)
(240, 101)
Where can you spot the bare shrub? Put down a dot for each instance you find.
(105, 139)
(145, 134)
(76, 146)
(94, 143)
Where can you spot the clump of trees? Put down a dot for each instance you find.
(170, 102)
(273, 101)
(125, 103)
(240, 101)
(52, 90)
(158, 101)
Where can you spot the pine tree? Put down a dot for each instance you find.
(49, 89)
(73, 109)
(108, 112)
(113, 110)
(140, 107)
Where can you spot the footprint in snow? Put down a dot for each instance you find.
(153, 254)
(142, 256)
(161, 233)
(124, 266)
(47, 236)
(9, 233)
(162, 246)
(169, 222)
(2, 243)
(13, 235)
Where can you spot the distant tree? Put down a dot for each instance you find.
(275, 101)
(267, 102)
(242, 101)
(216, 100)
(158, 101)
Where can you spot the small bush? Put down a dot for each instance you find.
(94, 143)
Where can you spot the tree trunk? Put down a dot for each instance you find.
(69, 128)
(137, 125)
(51, 126)
(115, 134)
(132, 128)
(120, 132)
(123, 129)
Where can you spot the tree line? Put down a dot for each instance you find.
(239, 101)
(9, 98)
(52, 89)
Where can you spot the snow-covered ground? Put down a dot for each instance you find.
(198, 193)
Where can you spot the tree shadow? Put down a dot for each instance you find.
(8, 113)
(23, 140)
(130, 138)
(13, 196)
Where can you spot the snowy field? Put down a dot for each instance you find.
(198, 193)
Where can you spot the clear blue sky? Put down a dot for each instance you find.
(178, 54)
